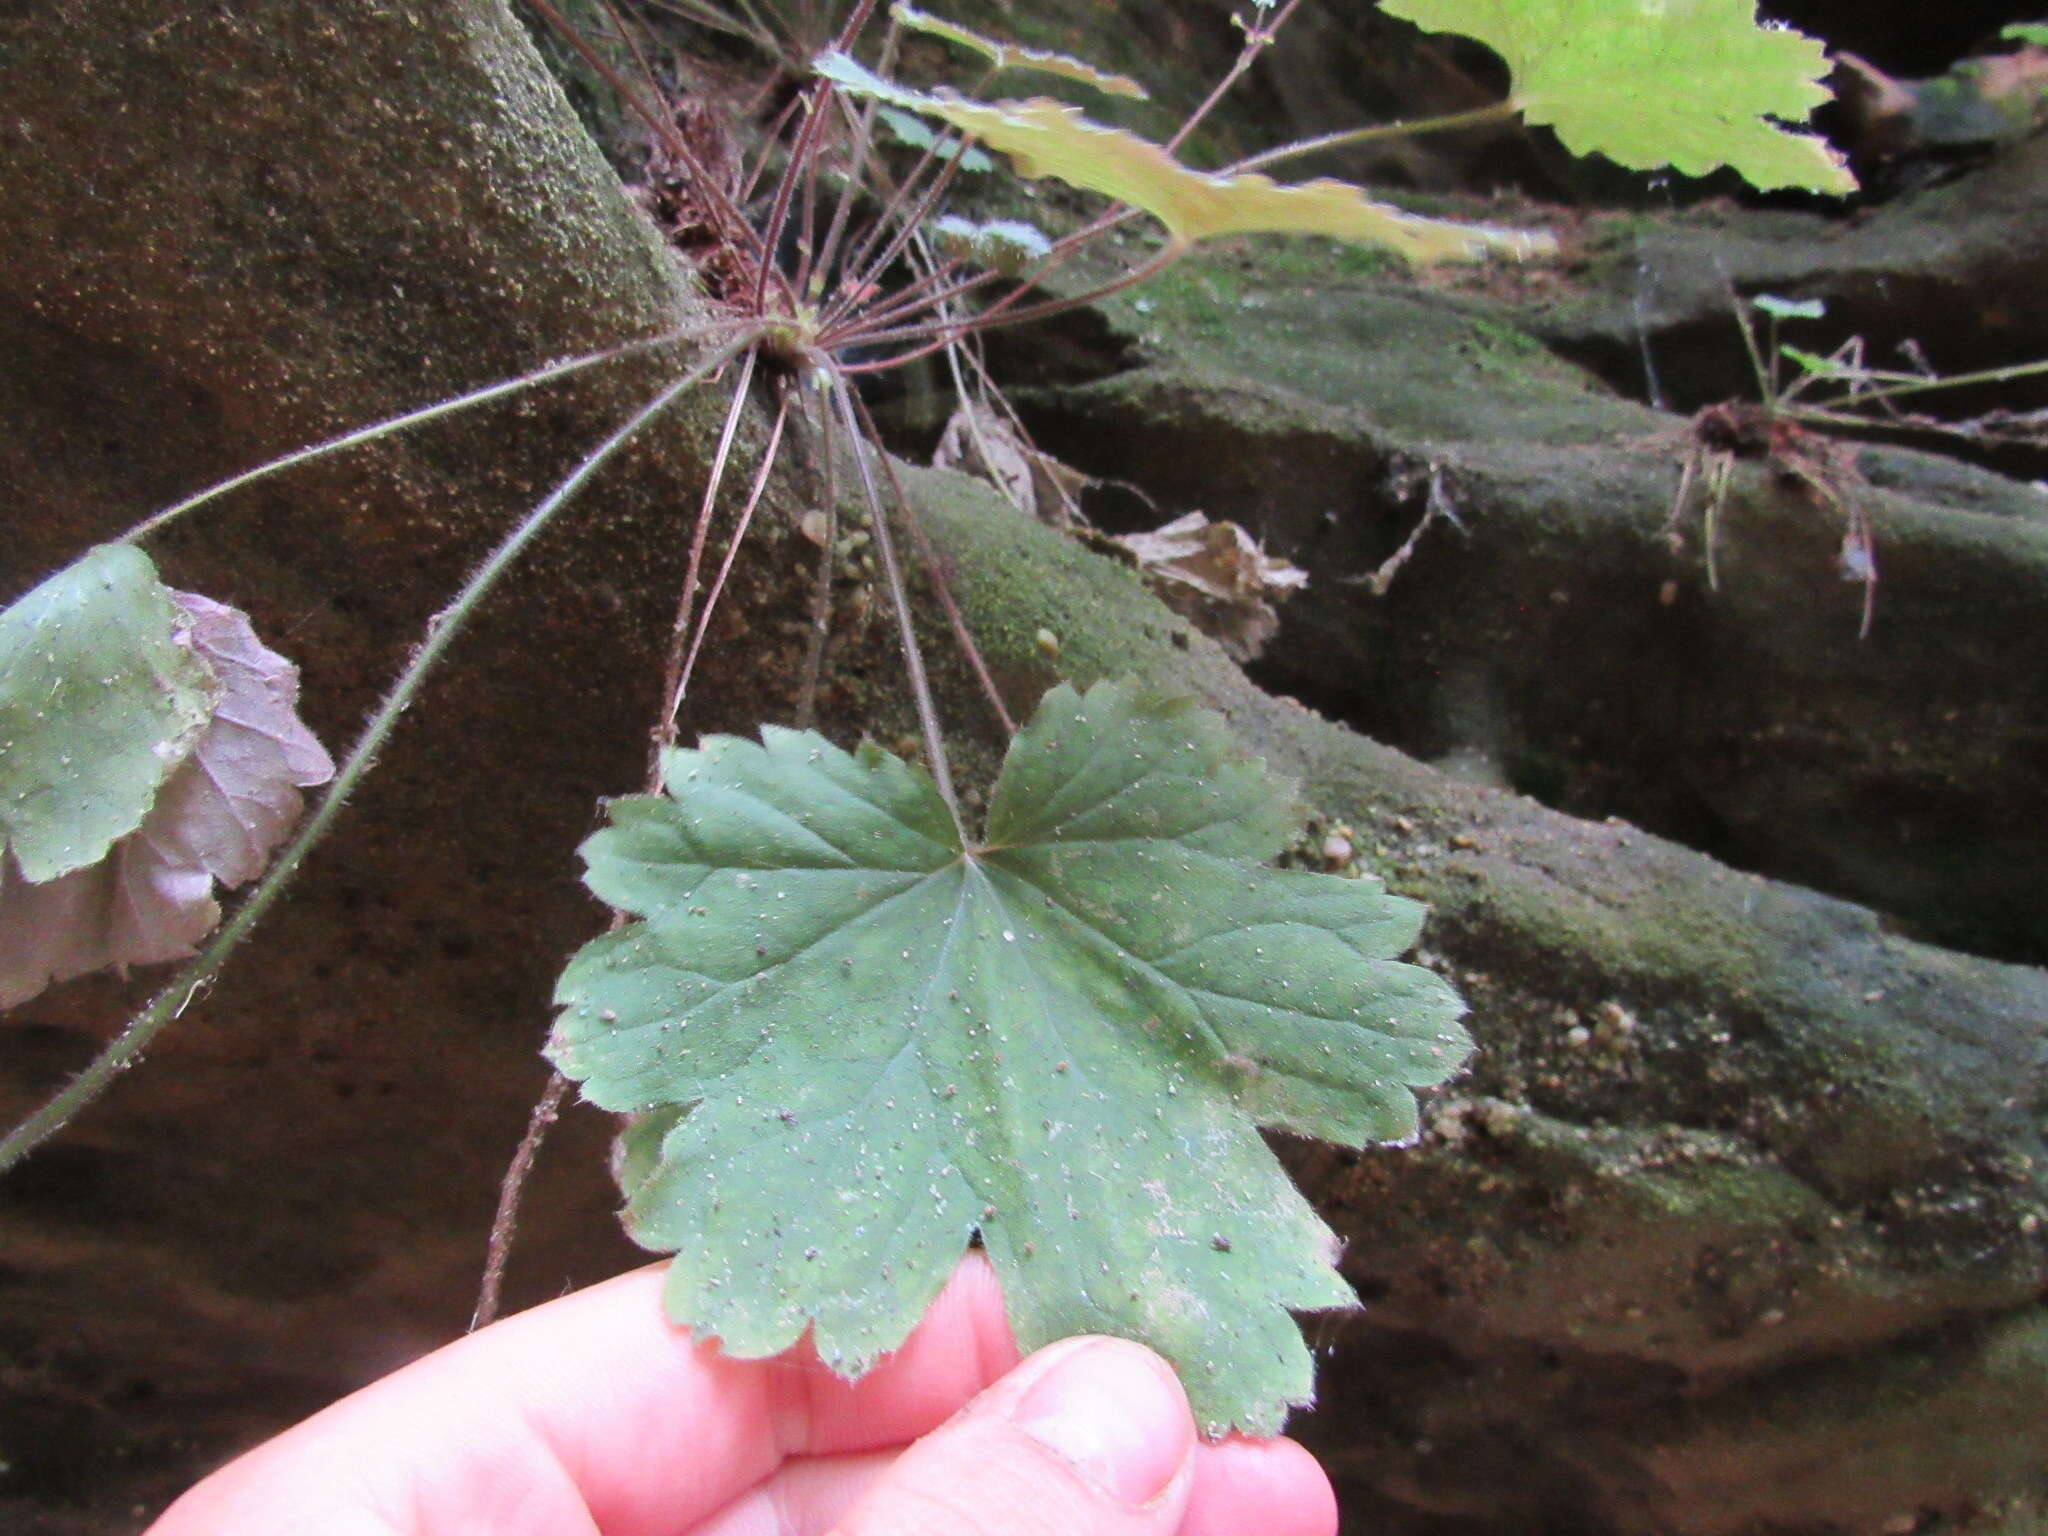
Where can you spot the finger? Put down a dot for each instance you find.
(1089, 1437)
(962, 1345)
(1274, 1487)
(805, 1497)
(593, 1412)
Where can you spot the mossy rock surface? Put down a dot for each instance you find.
(1567, 635)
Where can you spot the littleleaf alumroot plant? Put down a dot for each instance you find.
(854, 1034)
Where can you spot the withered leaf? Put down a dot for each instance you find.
(1217, 575)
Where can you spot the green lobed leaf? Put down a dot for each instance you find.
(1050, 138)
(855, 1042)
(99, 701)
(2033, 32)
(1692, 84)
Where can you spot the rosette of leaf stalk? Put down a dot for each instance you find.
(837, 302)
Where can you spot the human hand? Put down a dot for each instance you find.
(593, 1416)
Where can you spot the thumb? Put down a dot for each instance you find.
(1088, 1437)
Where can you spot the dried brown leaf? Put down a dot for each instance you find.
(979, 442)
(1216, 575)
(982, 442)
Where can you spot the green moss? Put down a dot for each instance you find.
(1497, 346)
(1197, 298)
(1015, 577)
(1283, 315)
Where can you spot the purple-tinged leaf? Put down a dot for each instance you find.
(219, 817)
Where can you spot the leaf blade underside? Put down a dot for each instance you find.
(855, 1043)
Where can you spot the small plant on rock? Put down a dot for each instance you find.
(1804, 429)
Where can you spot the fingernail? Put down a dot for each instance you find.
(1116, 1412)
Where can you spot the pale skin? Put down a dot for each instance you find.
(593, 1416)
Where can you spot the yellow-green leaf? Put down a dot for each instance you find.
(1692, 84)
(1050, 138)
